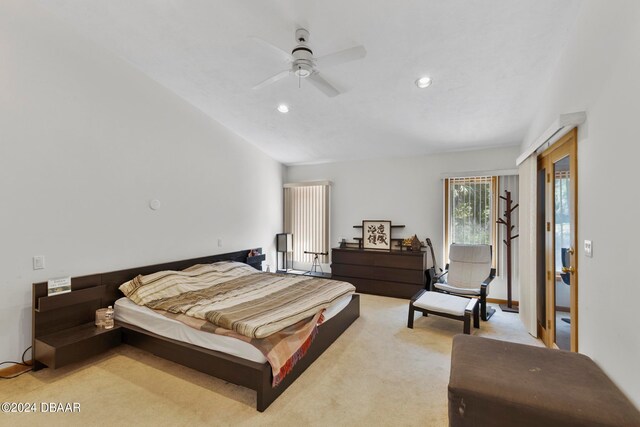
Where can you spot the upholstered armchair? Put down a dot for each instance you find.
(468, 274)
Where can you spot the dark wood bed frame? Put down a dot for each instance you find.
(63, 330)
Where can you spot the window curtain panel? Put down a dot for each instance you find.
(306, 216)
(528, 173)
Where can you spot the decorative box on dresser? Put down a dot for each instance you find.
(395, 274)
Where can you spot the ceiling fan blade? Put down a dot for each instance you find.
(341, 57)
(281, 75)
(284, 54)
(324, 86)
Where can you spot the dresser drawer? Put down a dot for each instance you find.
(382, 287)
(406, 260)
(415, 277)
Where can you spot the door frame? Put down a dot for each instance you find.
(566, 146)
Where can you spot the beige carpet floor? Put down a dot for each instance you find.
(379, 372)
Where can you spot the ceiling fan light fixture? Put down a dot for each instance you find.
(283, 108)
(302, 73)
(423, 82)
(303, 70)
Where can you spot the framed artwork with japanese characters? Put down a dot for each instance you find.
(376, 234)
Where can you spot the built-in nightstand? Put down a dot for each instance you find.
(64, 329)
(75, 344)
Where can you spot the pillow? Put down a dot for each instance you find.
(169, 283)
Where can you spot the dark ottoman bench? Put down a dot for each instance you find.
(498, 383)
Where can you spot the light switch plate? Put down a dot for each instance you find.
(38, 262)
(588, 248)
(219, 242)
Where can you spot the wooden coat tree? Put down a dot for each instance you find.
(507, 241)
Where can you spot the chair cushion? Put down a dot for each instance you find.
(456, 290)
(469, 265)
(442, 303)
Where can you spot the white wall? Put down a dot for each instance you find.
(85, 142)
(598, 72)
(406, 191)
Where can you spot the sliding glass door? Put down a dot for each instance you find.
(559, 320)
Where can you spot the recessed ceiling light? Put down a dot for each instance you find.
(283, 108)
(423, 82)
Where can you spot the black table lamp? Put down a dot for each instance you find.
(284, 244)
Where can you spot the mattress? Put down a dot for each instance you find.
(145, 318)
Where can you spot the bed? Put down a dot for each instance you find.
(228, 360)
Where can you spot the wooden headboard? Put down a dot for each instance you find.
(89, 293)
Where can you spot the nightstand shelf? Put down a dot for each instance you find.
(74, 344)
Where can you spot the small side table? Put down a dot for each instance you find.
(75, 344)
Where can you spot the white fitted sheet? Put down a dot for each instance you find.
(145, 318)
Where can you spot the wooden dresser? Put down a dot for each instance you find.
(393, 274)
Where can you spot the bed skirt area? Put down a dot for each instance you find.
(246, 373)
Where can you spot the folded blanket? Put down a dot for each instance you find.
(282, 349)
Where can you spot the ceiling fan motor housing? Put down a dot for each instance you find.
(302, 54)
(302, 36)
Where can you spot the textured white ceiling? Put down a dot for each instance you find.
(489, 60)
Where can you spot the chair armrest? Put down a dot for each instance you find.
(487, 281)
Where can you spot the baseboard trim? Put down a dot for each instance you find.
(502, 301)
(16, 369)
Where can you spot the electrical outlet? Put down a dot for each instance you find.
(588, 248)
(38, 262)
(219, 242)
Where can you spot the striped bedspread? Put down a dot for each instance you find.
(235, 296)
(278, 314)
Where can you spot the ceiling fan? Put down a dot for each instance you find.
(304, 65)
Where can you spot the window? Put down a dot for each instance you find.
(562, 184)
(470, 211)
(306, 216)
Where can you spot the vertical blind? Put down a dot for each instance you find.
(306, 216)
(470, 210)
(527, 243)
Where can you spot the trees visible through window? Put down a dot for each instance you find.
(470, 211)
